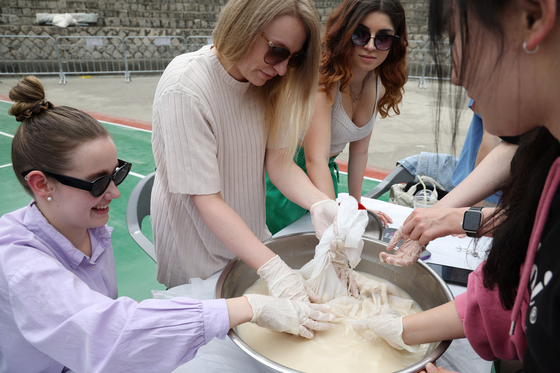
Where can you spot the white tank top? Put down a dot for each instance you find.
(343, 130)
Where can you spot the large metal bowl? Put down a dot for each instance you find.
(375, 226)
(418, 280)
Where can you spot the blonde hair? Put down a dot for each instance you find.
(48, 134)
(288, 101)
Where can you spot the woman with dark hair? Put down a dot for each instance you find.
(363, 72)
(59, 307)
(505, 55)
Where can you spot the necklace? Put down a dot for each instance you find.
(356, 98)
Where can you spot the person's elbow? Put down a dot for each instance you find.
(358, 151)
(316, 162)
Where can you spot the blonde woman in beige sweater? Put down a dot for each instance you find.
(222, 115)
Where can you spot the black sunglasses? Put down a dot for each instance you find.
(96, 187)
(382, 42)
(276, 55)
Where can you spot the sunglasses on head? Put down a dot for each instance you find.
(276, 55)
(382, 42)
(96, 187)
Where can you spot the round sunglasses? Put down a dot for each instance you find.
(276, 55)
(382, 42)
(96, 187)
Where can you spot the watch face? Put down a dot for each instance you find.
(471, 220)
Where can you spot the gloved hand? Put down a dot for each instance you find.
(323, 214)
(284, 282)
(407, 254)
(289, 316)
(387, 324)
(341, 267)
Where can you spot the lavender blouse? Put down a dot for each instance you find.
(59, 308)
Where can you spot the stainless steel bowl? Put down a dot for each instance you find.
(375, 226)
(418, 280)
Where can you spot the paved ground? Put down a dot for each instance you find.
(393, 138)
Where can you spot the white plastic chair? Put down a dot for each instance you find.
(137, 209)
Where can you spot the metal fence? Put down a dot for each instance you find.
(24, 55)
(91, 55)
(194, 43)
(87, 55)
(444, 59)
(150, 54)
(416, 61)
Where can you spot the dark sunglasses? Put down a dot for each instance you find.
(276, 55)
(382, 42)
(96, 187)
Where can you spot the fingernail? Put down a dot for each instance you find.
(430, 367)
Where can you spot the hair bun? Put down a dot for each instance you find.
(29, 99)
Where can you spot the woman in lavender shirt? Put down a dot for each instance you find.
(59, 309)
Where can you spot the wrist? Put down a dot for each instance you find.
(459, 213)
(270, 263)
(239, 311)
(266, 260)
(317, 201)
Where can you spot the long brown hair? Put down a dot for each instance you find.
(48, 134)
(337, 50)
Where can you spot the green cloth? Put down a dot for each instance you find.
(280, 211)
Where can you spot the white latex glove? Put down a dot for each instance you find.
(323, 215)
(407, 254)
(284, 282)
(387, 324)
(341, 267)
(284, 315)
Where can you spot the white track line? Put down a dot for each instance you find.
(6, 134)
(6, 165)
(137, 175)
(365, 177)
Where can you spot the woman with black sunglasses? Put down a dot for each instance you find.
(362, 74)
(58, 289)
(222, 115)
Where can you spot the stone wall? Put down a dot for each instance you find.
(149, 17)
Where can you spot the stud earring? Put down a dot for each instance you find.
(49, 198)
(528, 51)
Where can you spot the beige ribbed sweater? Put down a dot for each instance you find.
(207, 138)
